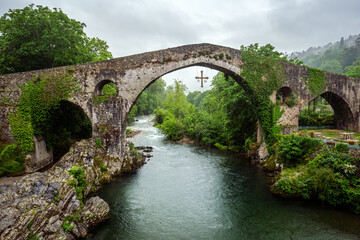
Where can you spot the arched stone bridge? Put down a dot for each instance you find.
(133, 74)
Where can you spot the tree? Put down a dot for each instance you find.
(332, 66)
(176, 100)
(354, 70)
(38, 37)
(149, 99)
(341, 45)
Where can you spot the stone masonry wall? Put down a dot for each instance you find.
(133, 74)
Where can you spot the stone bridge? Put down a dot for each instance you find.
(133, 74)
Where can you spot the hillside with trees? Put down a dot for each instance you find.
(342, 57)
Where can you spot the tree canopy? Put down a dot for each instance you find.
(37, 37)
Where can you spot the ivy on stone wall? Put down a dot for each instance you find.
(108, 91)
(316, 82)
(263, 75)
(39, 98)
(22, 130)
(42, 95)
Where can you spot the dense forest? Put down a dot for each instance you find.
(221, 117)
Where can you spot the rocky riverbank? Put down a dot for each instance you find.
(53, 204)
(133, 133)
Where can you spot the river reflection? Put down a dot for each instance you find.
(187, 192)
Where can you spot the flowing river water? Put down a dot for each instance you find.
(188, 192)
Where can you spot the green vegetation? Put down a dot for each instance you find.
(316, 82)
(354, 70)
(332, 133)
(98, 143)
(34, 237)
(37, 37)
(263, 74)
(317, 113)
(149, 100)
(78, 181)
(43, 111)
(11, 160)
(66, 225)
(341, 147)
(331, 175)
(294, 150)
(134, 152)
(292, 101)
(109, 90)
(41, 96)
(202, 121)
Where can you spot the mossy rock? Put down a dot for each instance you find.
(270, 163)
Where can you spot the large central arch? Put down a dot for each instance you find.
(230, 73)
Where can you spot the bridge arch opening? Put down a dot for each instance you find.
(328, 110)
(68, 124)
(343, 115)
(227, 72)
(284, 94)
(105, 88)
(207, 136)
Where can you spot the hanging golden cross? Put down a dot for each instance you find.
(202, 78)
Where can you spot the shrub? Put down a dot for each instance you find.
(221, 147)
(66, 225)
(287, 186)
(291, 101)
(322, 180)
(134, 152)
(11, 160)
(331, 159)
(341, 147)
(294, 149)
(248, 143)
(129, 131)
(173, 128)
(98, 143)
(160, 115)
(80, 183)
(330, 177)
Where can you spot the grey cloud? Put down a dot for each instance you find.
(312, 23)
(134, 26)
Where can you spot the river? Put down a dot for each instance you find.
(188, 192)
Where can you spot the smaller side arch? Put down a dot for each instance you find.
(99, 87)
(344, 116)
(284, 93)
(342, 111)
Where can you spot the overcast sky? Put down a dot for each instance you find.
(136, 26)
